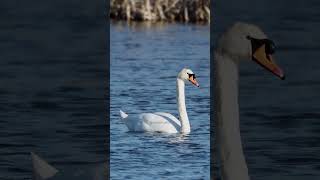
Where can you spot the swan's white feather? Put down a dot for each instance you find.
(161, 121)
(152, 122)
(232, 48)
(170, 116)
(123, 114)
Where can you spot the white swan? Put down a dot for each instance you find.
(161, 121)
(242, 42)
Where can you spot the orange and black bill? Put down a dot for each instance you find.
(192, 79)
(262, 51)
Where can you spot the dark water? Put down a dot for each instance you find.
(280, 119)
(145, 60)
(52, 87)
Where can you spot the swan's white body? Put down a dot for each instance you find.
(234, 46)
(153, 122)
(161, 121)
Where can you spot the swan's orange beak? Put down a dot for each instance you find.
(193, 80)
(266, 61)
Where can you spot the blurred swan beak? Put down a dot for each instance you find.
(266, 61)
(194, 81)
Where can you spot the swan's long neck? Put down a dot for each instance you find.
(185, 125)
(226, 107)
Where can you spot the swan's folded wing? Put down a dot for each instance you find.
(170, 116)
(158, 123)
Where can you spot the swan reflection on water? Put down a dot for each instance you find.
(170, 138)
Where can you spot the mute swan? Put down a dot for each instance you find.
(161, 121)
(242, 42)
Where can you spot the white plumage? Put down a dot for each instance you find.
(161, 121)
(242, 42)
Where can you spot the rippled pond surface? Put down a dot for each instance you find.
(280, 119)
(52, 88)
(145, 60)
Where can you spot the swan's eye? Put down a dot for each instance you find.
(270, 47)
(257, 43)
(193, 76)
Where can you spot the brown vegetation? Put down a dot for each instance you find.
(161, 10)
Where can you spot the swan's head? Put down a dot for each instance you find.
(188, 76)
(245, 42)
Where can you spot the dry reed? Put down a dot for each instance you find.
(161, 10)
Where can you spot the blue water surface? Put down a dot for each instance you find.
(145, 60)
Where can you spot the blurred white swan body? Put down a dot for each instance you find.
(161, 121)
(242, 42)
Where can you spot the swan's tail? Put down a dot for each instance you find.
(123, 114)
